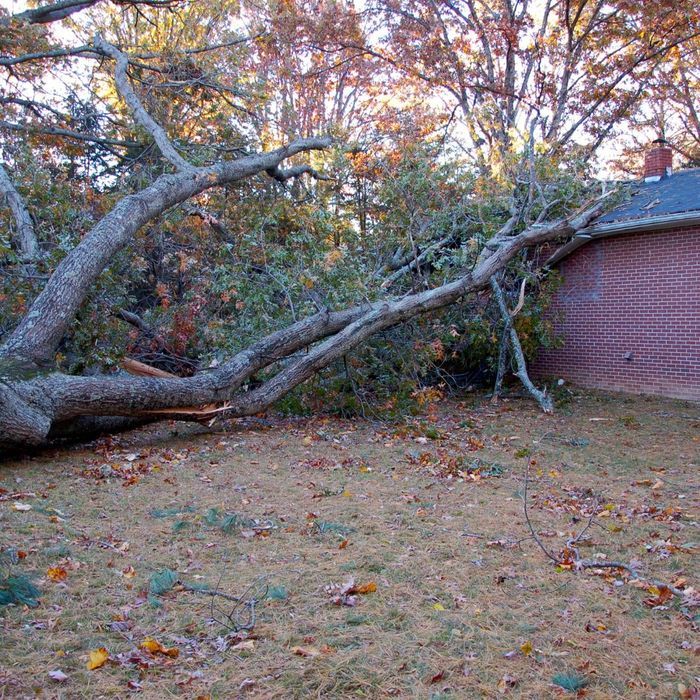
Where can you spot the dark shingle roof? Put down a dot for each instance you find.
(671, 195)
(654, 206)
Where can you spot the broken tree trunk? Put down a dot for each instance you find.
(541, 397)
(33, 403)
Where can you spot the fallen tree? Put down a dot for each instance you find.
(37, 404)
(29, 408)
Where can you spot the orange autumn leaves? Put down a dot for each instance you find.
(155, 647)
(57, 574)
(99, 657)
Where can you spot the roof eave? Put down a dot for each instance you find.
(615, 228)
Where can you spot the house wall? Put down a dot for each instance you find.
(633, 296)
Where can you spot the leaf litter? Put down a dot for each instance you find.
(438, 563)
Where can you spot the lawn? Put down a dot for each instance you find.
(359, 559)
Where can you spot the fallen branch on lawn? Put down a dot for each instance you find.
(569, 557)
(254, 594)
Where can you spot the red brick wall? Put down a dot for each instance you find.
(632, 293)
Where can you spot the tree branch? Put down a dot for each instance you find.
(281, 175)
(61, 9)
(542, 399)
(137, 109)
(67, 133)
(415, 261)
(73, 396)
(25, 236)
(42, 328)
(54, 12)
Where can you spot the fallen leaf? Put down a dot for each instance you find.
(97, 658)
(57, 573)
(505, 683)
(526, 648)
(155, 647)
(21, 506)
(245, 645)
(307, 652)
(660, 597)
(58, 676)
(370, 587)
(437, 677)
(686, 693)
(438, 606)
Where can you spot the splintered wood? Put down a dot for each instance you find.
(202, 414)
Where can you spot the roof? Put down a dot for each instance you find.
(653, 206)
(670, 195)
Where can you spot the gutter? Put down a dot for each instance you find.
(615, 228)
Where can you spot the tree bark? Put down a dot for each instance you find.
(541, 397)
(501, 367)
(25, 236)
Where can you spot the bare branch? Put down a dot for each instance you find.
(138, 110)
(67, 133)
(62, 9)
(571, 553)
(541, 397)
(85, 51)
(25, 236)
(54, 12)
(521, 299)
(281, 175)
(415, 262)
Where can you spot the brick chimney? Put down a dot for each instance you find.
(658, 161)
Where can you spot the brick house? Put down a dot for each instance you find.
(628, 310)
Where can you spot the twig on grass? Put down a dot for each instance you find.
(551, 556)
(256, 592)
(16, 496)
(209, 591)
(572, 556)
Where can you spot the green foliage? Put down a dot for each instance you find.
(160, 582)
(16, 588)
(573, 682)
(19, 590)
(323, 527)
(277, 593)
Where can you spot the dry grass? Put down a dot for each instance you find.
(459, 585)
